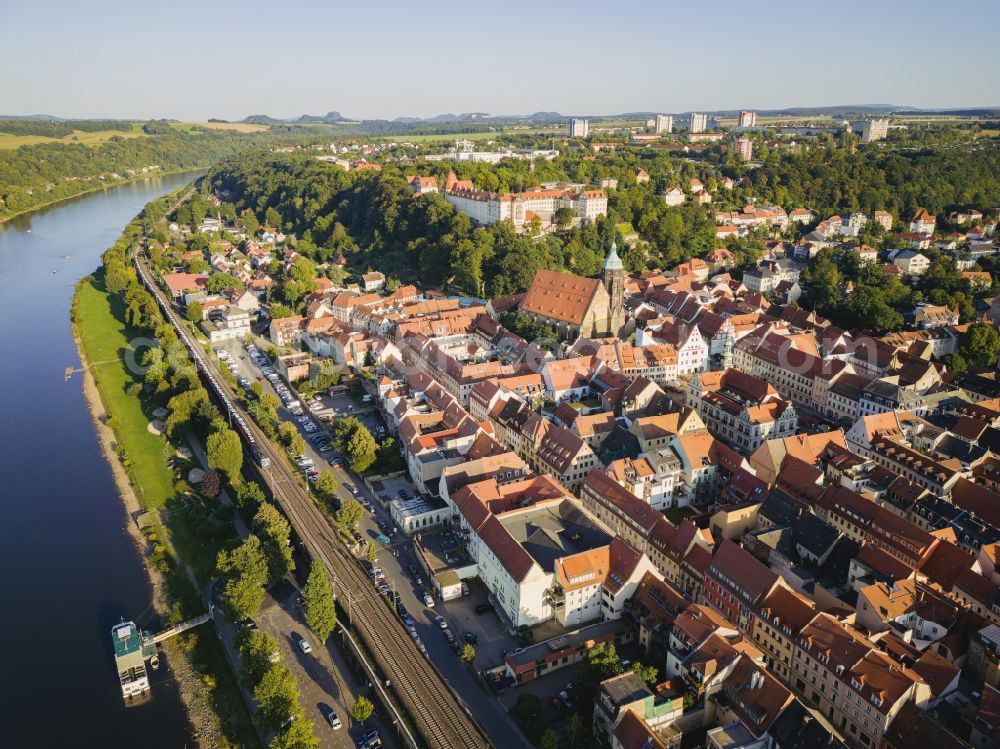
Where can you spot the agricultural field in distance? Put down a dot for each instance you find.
(239, 127)
(88, 139)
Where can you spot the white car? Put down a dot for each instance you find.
(304, 646)
(334, 720)
(428, 601)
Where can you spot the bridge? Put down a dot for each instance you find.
(178, 628)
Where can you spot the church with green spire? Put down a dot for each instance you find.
(613, 275)
(575, 306)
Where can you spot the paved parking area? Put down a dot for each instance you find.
(391, 487)
(493, 639)
(545, 688)
(323, 676)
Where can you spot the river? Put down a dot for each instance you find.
(70, 570)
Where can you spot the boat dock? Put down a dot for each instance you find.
(133, 647)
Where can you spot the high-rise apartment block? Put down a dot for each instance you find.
(664, 123)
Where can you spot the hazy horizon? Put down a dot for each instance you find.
(111, 59)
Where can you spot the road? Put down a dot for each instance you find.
(435, 709)
(490, 713)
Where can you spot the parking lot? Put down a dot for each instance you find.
(324, 678)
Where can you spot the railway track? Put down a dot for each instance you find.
(437, 712)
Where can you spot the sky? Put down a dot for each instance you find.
(386, 58)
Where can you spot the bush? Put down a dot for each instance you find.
(211, 484)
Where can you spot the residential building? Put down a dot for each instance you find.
(747, 119)
(743, 147)
(741, 409)
(578, 128)
(875, 129)
(664, 124)
(697, 123)
(735, 584)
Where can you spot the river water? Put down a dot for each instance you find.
(69, 568)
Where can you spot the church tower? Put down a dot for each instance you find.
(614, 281)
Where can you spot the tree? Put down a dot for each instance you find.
(270, 401)
(602, 662)
(563, 217)
(249, 495)
(156, 366)
(326, 485)
(116, 279)
(272, 218)
(354, 440)
(192, 407)
(978, 345)
(257, 654)
(211, 484)
(291, 438)
(372, 553)
(277, 697)
(298, 735)
(468, 655)
(321, 610)
(279, 310)
(549, 740)
(362, 710)
(576, 731)
(245, 572)
(195, 312)
(648, 674)
(350, 513)
(275, 534)
(249, 222)
(225, 453)
(219, 282)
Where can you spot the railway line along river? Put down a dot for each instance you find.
(71, 570)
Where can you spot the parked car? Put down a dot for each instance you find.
(334, 720)
(440, 621)
(484, 608)
(304, 646)
(470, 637)
(428, 600)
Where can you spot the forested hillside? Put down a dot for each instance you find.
(35, 175)
(373, 220)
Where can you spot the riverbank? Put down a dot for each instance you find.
(178, 564)
(98, 188)
(205, 725)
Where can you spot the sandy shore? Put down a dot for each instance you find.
(204, 722)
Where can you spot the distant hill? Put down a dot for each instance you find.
(49, 117)
(305, 119)
(261, 119)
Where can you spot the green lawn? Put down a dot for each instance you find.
(105, 338)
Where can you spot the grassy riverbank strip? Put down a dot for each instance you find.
(179, 562)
